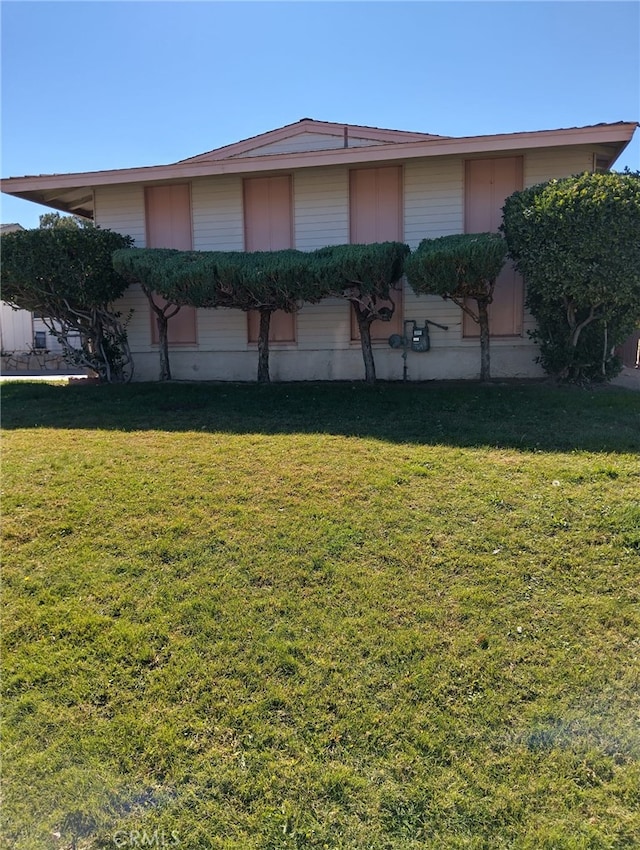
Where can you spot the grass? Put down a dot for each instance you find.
(321, 616)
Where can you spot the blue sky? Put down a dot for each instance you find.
(115, 84)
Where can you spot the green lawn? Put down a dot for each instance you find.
(321, 616)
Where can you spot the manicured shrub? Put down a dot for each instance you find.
(154, 270)
(462, 268)
(264, 281)
(577, 243)
(365, 276)
(267, 281)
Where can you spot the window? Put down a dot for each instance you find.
(181, 328)
(168, 220)
(488, 183)
(40, 339)
(268, 226)
(375, 215)
(282, 327)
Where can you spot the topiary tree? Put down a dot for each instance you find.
(65, 274)
(365, 276)
(153, 269)
(577, 243)
(265, 281)
(461, 268)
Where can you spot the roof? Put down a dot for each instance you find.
(309, 143)
(10, 228)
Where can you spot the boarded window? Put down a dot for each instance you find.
(281, 327)
(375, 215)
(168, 219)
(488, 183)
(268, 226)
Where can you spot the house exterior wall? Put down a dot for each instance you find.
(121, 208)
(16, 329)
(433, 206)
(52, 344)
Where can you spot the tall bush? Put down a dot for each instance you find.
(65, 274)
(577, 243)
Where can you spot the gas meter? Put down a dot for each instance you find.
(414, 338)
(420, 338)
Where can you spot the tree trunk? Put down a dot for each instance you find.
(485, 355)
(263, 347)
(163, 340)
(162, 314)
(364, 326)
(102, 339)
(605, 350)
(98, 344)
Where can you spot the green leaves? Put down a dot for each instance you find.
(45, 269)
(459, 266)
(371, 270)
(275, 280)
(65, 274)
(577, 243)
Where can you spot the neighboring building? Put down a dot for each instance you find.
(16, 329)
(311, 184)
(16, 326)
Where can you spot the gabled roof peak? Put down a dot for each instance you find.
(348, 134)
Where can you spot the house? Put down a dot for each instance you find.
(315, 183)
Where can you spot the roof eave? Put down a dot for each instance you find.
(36, 188)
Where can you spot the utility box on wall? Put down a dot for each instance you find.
(420, 338)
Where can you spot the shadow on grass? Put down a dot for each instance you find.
(527, 416)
